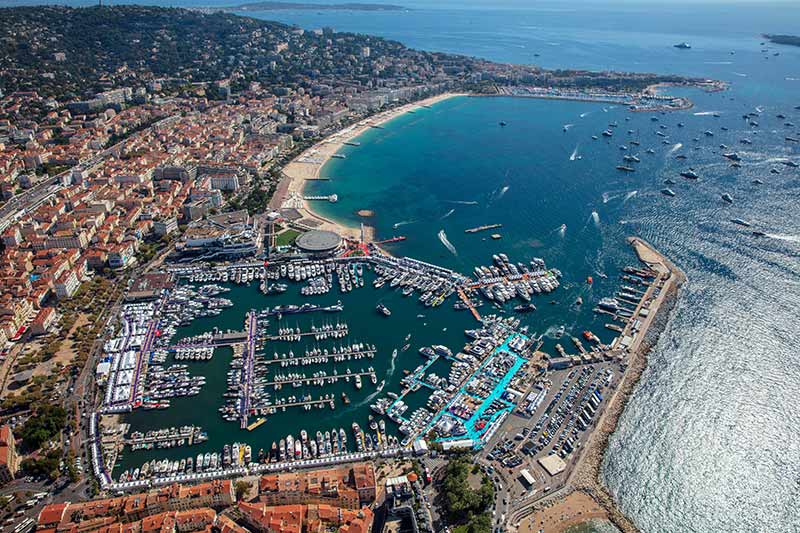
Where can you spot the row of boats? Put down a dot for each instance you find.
(328, 444)
(504, 280)
(162, 383)
(316, 355)
(337, 330)
(166, 438)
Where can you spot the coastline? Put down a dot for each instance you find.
(307, 166)
(586, 479)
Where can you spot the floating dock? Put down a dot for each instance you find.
(256, 424)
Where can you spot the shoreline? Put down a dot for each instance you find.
(586, 479)
(307, 166)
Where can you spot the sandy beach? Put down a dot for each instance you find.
(575, 509)
(307, 166)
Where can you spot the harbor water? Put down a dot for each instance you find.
(708, 441)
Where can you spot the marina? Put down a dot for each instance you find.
(469, 391)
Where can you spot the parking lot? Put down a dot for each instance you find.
(570, 404)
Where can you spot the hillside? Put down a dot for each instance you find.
(68, 52)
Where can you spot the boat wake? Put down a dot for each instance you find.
(561, 230)
(403, 223)
(607, 197)
(705, 113)
(372, 396)
(502, 192)
(760, 109)
(462, 202)
(448, 214)
(568, 126)
(595, 218)
(629, 196)
(586, 114)
(554, 332)
(675, 148)
(784, 237)
(390, 372)
(741, 75)
(447, 244)
(574, 154)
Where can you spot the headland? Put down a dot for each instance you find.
(584, 496)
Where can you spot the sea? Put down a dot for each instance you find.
(708, 442)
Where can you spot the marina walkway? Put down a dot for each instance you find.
(247, 369)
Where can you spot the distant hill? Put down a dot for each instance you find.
(791, 40)
(70, 52)
(350, 6)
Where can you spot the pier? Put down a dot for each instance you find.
(331, 402)
(469, 303)
(332, 198)
(144, 351)
(247, 368)
(320, 335)
(393, 239)
(228, 338)
(320, 380)
(300, 358)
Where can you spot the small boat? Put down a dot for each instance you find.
(382, 309)
(668, 192)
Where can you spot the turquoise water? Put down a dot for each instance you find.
(708, 442)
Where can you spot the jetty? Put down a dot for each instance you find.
(332, 198)
(320, 380)
(319, 357)
(247, 369)
(321, 402)
(470, 304)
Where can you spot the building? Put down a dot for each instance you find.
(149, 286)
(187, 506)
(67, 284)
(165, 226)
(227, 235)
(44, 319)
(9, 461)
(319, 242)
(348, 486)
(263, 518)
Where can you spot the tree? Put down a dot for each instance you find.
(42, 426)
(241, 487)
